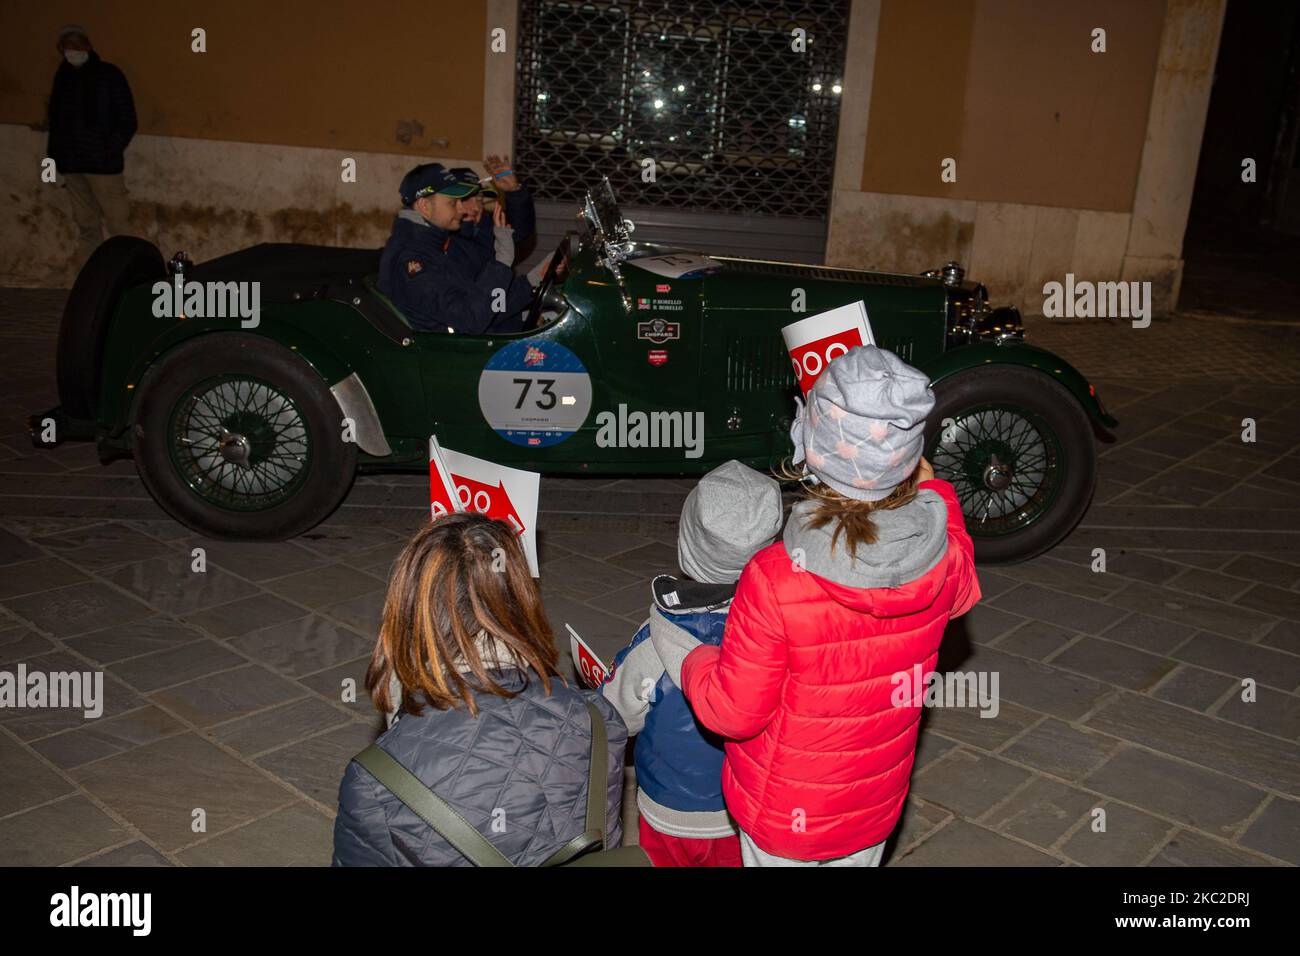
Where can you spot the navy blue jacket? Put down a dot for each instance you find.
(437, 291)
(92, 118)
(678, 760)
(475, 240)
(518, 772)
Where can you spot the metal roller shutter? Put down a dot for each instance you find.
(732, 108)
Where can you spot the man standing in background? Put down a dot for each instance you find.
(92, 119)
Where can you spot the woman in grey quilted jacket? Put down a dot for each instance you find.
(465, 668)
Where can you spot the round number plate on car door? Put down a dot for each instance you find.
(534, 393)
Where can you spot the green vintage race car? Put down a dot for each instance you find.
(637, 360)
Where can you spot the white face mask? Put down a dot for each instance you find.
(76, 57)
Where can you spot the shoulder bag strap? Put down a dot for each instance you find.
(597, 781)
(431, 808)
(598, 774)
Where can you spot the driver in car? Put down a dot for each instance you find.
(435, 289)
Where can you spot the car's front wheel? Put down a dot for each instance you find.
(1019, 451)
(238, 437)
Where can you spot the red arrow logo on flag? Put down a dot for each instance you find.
(499, 505)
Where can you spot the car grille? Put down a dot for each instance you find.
(757, 363)
(900, 347)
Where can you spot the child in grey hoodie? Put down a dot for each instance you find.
(728, 517)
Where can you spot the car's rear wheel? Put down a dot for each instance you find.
(118, 264)
(238, 437)
(1019, 451)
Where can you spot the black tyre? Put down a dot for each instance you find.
(117, 265)
(1019, 450)
(238, 437)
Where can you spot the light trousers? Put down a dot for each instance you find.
(100, 207)
(751, 855)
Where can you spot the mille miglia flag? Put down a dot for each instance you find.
(459, 482)
(813, 342)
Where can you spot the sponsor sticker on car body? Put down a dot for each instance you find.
(658, 331)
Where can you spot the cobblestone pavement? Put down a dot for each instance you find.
(1120, 691)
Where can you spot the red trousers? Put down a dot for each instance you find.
(665, 850)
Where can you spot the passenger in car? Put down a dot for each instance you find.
(435, 289)
(475, 237)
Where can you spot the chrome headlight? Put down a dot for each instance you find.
(971, 320)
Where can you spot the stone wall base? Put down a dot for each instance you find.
(1013, 249)
(206, 197)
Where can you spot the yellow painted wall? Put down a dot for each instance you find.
(395, 76)
(1013, 92)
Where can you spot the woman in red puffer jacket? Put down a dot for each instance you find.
(813, 683)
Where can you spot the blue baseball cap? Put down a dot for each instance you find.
(430, 178)
(469, 177)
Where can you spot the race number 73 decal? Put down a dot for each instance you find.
(546, 402)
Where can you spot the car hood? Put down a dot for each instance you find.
(686, 265)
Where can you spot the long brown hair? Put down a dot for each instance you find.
(852, 518)
(461, 582)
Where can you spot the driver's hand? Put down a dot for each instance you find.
(536, 273)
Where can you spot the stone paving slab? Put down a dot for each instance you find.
(1121, 692)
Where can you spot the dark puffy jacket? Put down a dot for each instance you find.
(437, 291)
(525, 757)
(92, 118)
(678, 761)
(475, 241)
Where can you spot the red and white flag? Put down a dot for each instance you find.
(813, 342)
(593, 670)
(459, 482)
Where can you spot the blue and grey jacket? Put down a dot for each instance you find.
(440, 292)
(475, 241)
(678, 761)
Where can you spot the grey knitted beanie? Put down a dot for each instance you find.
(728, 517)
(862, 431)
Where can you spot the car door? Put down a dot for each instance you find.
(649, 338)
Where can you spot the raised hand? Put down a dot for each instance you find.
(496, 166)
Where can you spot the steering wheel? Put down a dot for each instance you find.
(545, 294)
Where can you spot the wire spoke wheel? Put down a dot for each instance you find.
(239, 443)
(1003, 461)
